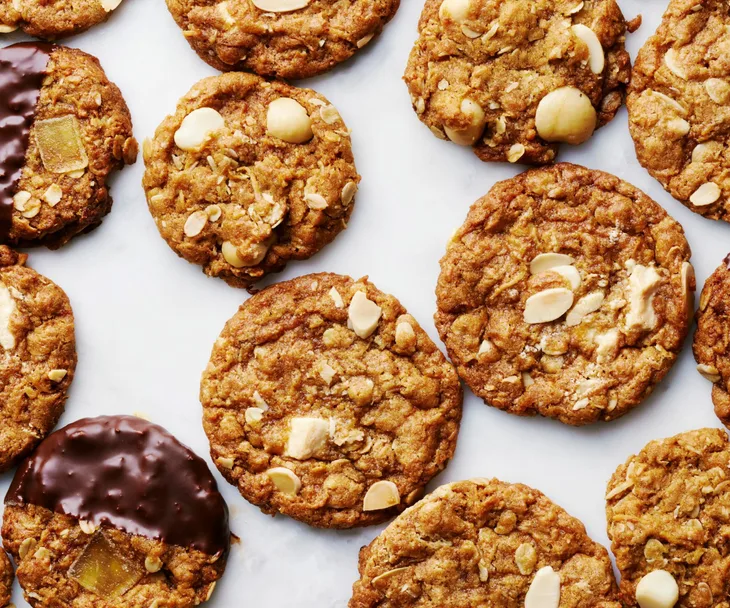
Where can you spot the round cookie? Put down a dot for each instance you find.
(65, 128)
(566, 293)
(679, 105)
(484, 542)
(326, 401)
(38, 356)
(53, 19)
(514, 78)
(711, 344)
(114, 511)
(667, 511)
(289, 39)
(6, 579)
(249, 174)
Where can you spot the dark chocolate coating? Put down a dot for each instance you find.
(125, 472)
(22, 69)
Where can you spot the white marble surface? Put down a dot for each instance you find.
(146, 320)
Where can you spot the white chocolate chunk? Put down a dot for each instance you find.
(596, 56)
(706, 194)
(197, 128)
(643, 283)
(53, 195)
(477, 121)
(544, 591)
(586, 305)
(547, 305)
(381, 495)
(7, 308)
(404, 333)
(336, 297)
(306, 437)
(546, 261)
(658, 589)
(286, 119)
(286, 481)
(363, 314)
(109, 5)
(570, 274)
(565, 115)
(456, 10)
(327, 372)
(280, 6)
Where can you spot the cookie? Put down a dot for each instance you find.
(6, 579)
(63, 129)
(566, 293)
(326, 401)
(249, 174)
(667, 520)
(711, 344)
(114, 511)
(514, 78)
(38, 356)
(280, 38)
(53, 19)
(679, 105)
(484, 542)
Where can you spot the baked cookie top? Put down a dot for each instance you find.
(249, 174)
(65, 128)
(53, 19)
(711, 344)
(280, 38)
(512, 78)
(679, 105)
(566, 293)
(667, 520)
(326, 401)
(39, 356)
(485, 542)
(6, 579)
(115, 509)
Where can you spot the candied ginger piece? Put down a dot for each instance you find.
(60, 145)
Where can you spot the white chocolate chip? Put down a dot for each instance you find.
(381, 495)
(565, 115)
(286, 119)
(456, 10)
(336, 297)
(596, 57)
(195, 223)
(307, 436)
(315, 201)
(477, 120)
(253, 415)
(53, 195)
(280, 6)
(109, 5)
(547, 305)
(570, 274)
(486, 347)
(671, 60)
(197, 128)
(706, 194)
(56, 375)
(348, 193)
(658, 589)
(286, 481)
(363, 314)
(225, 14)
(586, 305)
(7, 308)
(643, 283)
(718, 90)
(544, 591)
(710, 372)
(546, 261)
(327, 372)
(515, 153)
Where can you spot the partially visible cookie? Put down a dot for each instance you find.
(114, 511)
(38, 356)
(711, 344)
(485, 542)
(289, 39)
(249, 174)
(326, 401)
(7, 575)
(64, 129)
(679, 105)
(566, 293)
(667, 513)
(53, 19)
(514, 78)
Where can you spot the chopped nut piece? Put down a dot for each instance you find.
(706, 194)
(253, 415)
(348, 193)
(336, 297)
(404, 334)
(87, 527)
(195, 223)
(327, 372)
(546, 261)
(56, 375)
(526, 558)
(315, 201)
(7, 308)
(515, 153)
(287, 120)
(364, 40)
(710, 372)
(596, 56)
(672, 62)
(544, 591)
(477, 121)
(381, 495)
(152, 563)
(364, 314)
(20, 199)
(570, 274)
(53, 195)
(213, 212)
(280, 6)
(547, 305)
(718, 90)
(31, 208)
(27, 546)
(60, 145)
(286, 481)
(586, 305)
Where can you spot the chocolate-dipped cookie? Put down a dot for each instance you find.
(63, 129)
(114, 511)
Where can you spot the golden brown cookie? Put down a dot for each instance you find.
(39, 356)
(280, 38)
(53, 19)
(485, 542)
(249, 174)
(115, 512)
(566, 293)
(711, 344)
(513, 78)
(679, 105)
(667, 512)
(326, 401)
(64, 128)
(7, 575)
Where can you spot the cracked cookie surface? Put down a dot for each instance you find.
(667, 509)
(54, 19)
(566, 293)
(289, 39)
(483, 542)
(679, 105)
(249, 174)
(514, 78)
(333, 426)
(38, 356)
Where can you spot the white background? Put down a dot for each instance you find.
(146, 319)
